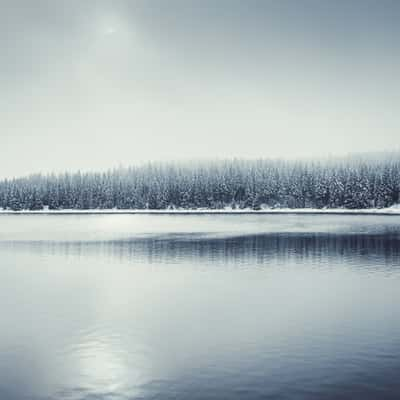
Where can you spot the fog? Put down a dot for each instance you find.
(97, 84)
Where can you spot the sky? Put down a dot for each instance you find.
(96, 84)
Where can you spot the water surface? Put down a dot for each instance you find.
(199, 307)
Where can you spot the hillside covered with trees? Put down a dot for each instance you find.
(353, 183)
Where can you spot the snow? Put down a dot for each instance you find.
(394, 210)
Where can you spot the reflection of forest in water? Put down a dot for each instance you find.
(321, 248)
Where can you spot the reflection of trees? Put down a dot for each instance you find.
(252, 249)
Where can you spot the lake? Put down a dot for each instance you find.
(199, 307)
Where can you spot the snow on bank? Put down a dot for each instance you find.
(394, 210)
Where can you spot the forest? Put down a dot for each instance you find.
(351, 182)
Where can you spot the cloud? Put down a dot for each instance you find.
(125, 81)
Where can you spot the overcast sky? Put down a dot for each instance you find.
(96, 84)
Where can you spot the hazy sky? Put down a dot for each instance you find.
(95, 84)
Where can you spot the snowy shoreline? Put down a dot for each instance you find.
(394, 210)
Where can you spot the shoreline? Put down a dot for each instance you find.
(395, 210)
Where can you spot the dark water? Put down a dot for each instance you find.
(199, 307)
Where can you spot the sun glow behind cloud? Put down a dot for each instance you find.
(110, 30)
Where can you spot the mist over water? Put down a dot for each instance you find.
(200, 307)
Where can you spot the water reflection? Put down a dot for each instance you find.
(263, 313)
(249, 250)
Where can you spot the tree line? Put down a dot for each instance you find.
(353, 182)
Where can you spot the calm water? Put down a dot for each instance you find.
(199, 307)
